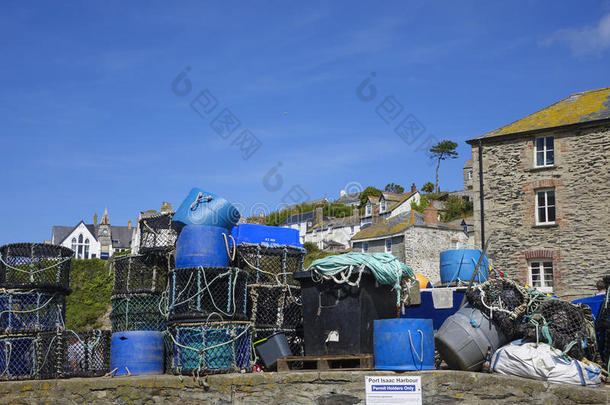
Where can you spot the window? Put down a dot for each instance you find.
(541, 275)
(469, 174)
(388, 245)
(365, 247)
(80, 247)
(351, 229)
(544, 152)
(368, 210)
(545, 207)
(74, 245)
(382, 206)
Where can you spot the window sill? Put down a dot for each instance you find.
(542, 168)
(554, 225)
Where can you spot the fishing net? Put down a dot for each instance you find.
(137, 312)
(198, 292)
(270, 264)
(31, 311)
(211, 347)
(275, 306)
(146, 273)
(35, 265)
(565, 326)
(503, 301)
(51, 355)
(156, 233)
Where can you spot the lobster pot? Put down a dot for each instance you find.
(51, 355)
(275, 306)
(508, 302)
(211, 347)
(197, 292)
(136, 274)
(156, 233)
(267, 264)
(35, 265)
(565, 326)
(137, 312)
(22, 312)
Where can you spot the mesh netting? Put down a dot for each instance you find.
(275, 306)
(134, 274)
(198, 292)
(565, 326)
(212, 347)
(504, 301)
(270, 264)
(137, 312)
(31, 311)
(35, 265)
(51, 355)
(156, 233)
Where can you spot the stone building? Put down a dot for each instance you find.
(333, 234)
(546, 195)
(414, 239)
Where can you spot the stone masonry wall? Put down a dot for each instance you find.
(579, 242)
(341, 388)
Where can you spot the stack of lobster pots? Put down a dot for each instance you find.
(34, 342)
(208, 331)
(270, 256)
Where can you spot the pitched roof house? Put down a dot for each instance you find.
(388, 205)
(546, 194)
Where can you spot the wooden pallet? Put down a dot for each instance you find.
(347, 362)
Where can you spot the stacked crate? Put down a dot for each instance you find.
(34, 282)
(274, 297)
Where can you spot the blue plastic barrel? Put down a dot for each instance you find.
(202, 245)
(263, 234)
(403, 344)
(201, 207)
(459, 264)
(139, 351)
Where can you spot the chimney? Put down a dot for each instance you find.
(430, 214)
(94, 219)
(319, 215)
(413, 187)
(375, 217)
(105, 220)
(129, 224)
(166, 207)
(356, 213)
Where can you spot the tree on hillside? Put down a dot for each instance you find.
(442, 151)
(394, 188)
(367, 192)
(428, 187)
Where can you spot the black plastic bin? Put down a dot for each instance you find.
(338, 318)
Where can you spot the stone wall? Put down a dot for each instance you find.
(579, 241)
(439, 387)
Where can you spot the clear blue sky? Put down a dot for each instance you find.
(89, 120)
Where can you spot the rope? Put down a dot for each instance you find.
(31, 264)
(231, 255)
(200, 198)
(421, 359)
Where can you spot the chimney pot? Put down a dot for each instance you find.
(413, 187)
(129, 224)
(430, 214)
(166, 207)
(94, 219)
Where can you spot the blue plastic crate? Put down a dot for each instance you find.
(263, 234)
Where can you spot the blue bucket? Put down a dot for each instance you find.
(459, 264)
(403, 344)
(201, 207)
(202, 245)
(142, 352)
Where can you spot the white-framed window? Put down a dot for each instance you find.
(368, 210)
(388, 245)
(351, 229)
(545, 206)
(80, 247)
(382, 206)
(454, 242)
(365, 247)
(541, 275)
(544, 151)
(469, 174)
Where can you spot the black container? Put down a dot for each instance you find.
(273, 348)
(338, 318)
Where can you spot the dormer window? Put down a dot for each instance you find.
(544, 151)
(382, 206)
(368, 210)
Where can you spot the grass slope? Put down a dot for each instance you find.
(91, 286)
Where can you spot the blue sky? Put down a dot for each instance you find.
(89, 119)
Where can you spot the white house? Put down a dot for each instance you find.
(89, 241)
(389, 205)
(333, 233)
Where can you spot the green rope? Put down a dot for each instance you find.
(385, 267)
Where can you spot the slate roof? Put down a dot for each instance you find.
(587, 106)
(336, 223)
(121, 233)
(300, 217)
(397, 224)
